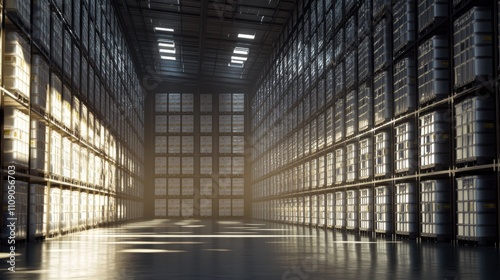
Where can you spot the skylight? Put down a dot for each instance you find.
(246, 36)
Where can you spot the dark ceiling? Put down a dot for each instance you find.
(205, 33)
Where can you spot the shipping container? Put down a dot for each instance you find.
(472, 47)
(382, 155)
(474, 121)
(435, 209)
(382, 100)
(476, 208)
(433, 69)
(406, 209)
(434, 140)
(352, 210)
(405, 81)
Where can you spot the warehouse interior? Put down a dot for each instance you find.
(250, 139)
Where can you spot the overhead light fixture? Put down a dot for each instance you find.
(246, 36)
(236, 61)
(164, 29)
(167, 51)
(239, 58)
(168, 57)
(236, 65)
(169, 44)
(240, 50)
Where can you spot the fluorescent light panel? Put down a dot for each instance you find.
(167, 51)
(236, 61)
(164, 29)
(168, 57)
(240, 50)
(170, 44)
(246, 36)
(240, 58)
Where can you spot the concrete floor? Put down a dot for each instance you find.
(193, 249)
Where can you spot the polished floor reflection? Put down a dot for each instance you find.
(193, 249)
